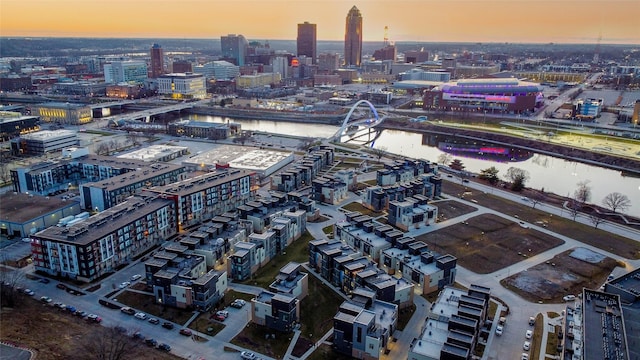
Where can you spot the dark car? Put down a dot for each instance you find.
(45, 280)
(137, 335)
(185, 332)
(167, 325)
(151, 342)
(154, 321)
(61, 286)
(164, 347)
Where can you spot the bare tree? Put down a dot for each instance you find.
(444, 158)
(583, 192)
(379, 152)
(134, 138)
(5, 173)
(102, 148)
(615, 201)
(536, 199)
(10, 280)
(109, 344)
(596, 219)
(518, 178)
(574, 208)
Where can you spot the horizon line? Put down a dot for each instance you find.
(364, 41)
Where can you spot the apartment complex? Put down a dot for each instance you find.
(304, 170)
(102, 243)
(453, 326)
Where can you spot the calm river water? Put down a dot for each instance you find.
(553, 174)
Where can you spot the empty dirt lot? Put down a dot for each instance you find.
(566, 273)
(488, 243)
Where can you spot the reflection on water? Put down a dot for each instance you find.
(478, 149)
(553, 174)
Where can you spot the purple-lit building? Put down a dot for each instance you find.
(485, 95)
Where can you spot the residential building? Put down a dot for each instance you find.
(304, 170)
(413, 212)
(101, 244)
(362, 327)
(353, 38)
(157, 61)
(205, 196)
(234, 48)
(182, 86)
(63, 113)
(328, 190)
(587, 109)
(43, 142)
(107, 192)
(291, 281)
(276, 311)
(125, 71)
(453, 326)
(306, 41)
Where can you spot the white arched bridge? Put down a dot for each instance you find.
(355, 128)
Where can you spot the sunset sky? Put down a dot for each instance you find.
(559, 21)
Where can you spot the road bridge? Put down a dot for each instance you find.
(357, 128)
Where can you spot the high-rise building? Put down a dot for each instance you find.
(307, 40)
(125, 71)
(181, 66)
(234, 48)
(328, 62)
(157, 61)
(353, 38)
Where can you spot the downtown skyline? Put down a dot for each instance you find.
(520, 21)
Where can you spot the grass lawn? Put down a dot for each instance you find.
(613, 243)
(232, 295)
(487, 243)
(325, 352)
(254, 337)
(356, 206)
(449, 209)
(405, 315)
(318, 309)
(536, 340)
(298, 251)
(146, 303)
(328, 230)
(206, 326)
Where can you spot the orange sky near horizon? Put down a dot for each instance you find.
(526, 21)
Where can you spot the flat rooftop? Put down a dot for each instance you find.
(604, 335)
(432, 339)
(45, 135)
(21, 208)
(154, 152)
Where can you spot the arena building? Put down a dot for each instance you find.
(485, 95)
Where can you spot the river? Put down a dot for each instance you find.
(555, 175)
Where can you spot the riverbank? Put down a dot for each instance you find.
(266, 114)
(629, 167)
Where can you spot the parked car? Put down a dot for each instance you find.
(532, 321)
(61, 286)
(29, 292)
(124, 285)
(185, 332)
(526, 346)
(81, 313)
(217, 317)
(224, 313)
(528, 334)
(140, 315)
(45, 299)
(164, 347)
(60, 305)
(525, 356)
(499, 330)
(238, 303)
(127, 310)
(167, 325)
(138, 335)
(94, 318)
(154, 321)
(247, 355)
(136, 277)
(70, 308)
(45, 280)
(569, 298)
(151, 342)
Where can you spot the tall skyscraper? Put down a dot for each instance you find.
(307, 40)
(157, 61)
(234, 47)
(353, 38)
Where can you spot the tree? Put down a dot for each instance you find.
(596, 219)
(490, 175)
(574, 208)
(536, 199)
(615, 201)
(5, 173)
(518, 178)
(10, 280)
(109, 344)
(583, 192)
(444, 158)
(102, 148)
(456, 164)
(379, 152)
